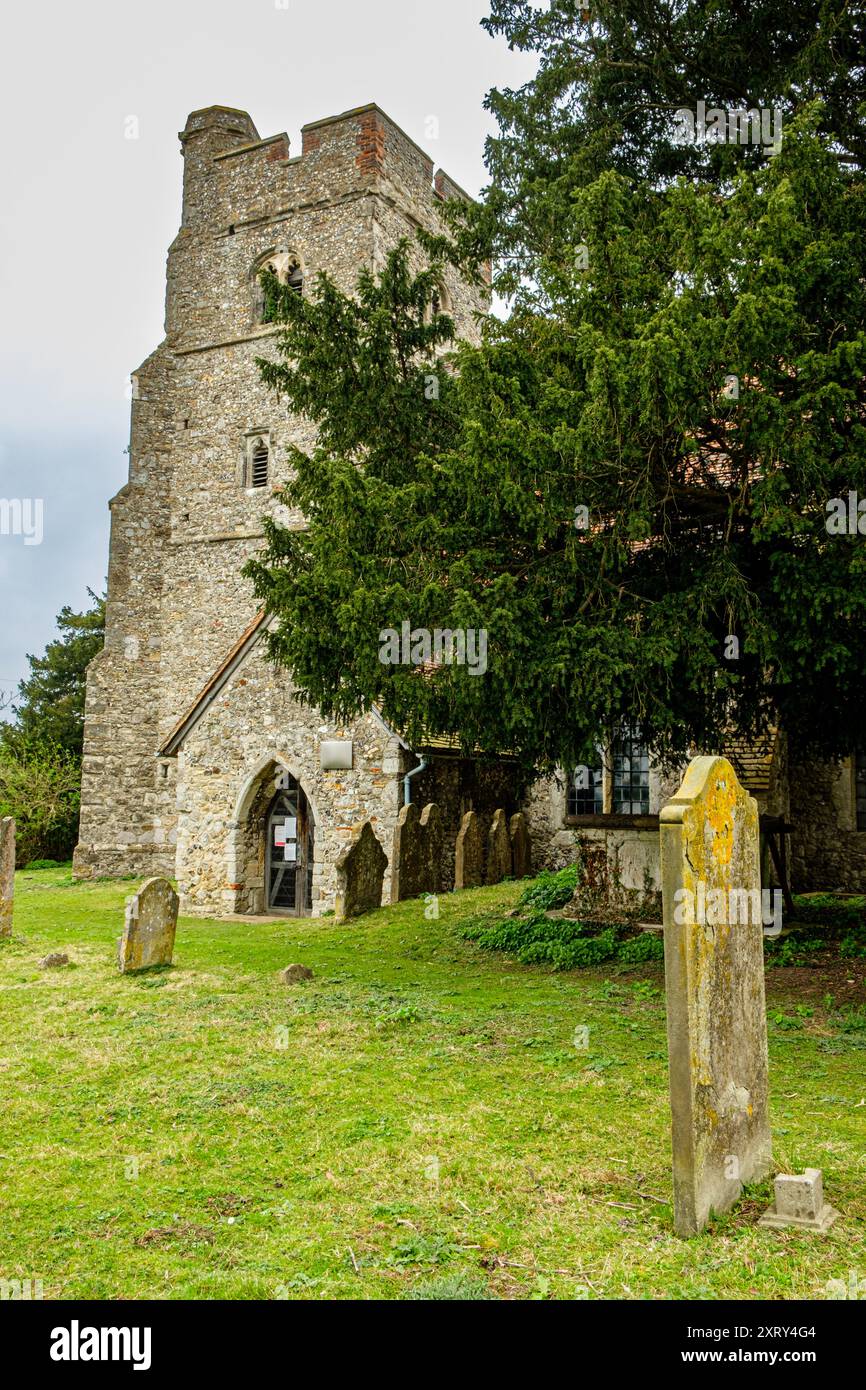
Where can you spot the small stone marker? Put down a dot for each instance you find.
(498, 850)
(149, 928)
(800, 1203)
(54, 958)
(294, 974)
(521, 847)
(7, 874)
(469, 854)
(432, 847)
(714, 983)
(360, 871)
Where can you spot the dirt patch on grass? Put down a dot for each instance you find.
(844, 979)
(228, 1204)
(182, 1233)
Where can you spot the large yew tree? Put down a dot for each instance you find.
(626, 481)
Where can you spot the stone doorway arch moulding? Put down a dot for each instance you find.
(245, 860)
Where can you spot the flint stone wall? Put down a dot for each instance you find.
(228, 772)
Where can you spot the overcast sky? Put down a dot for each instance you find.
(87, 215)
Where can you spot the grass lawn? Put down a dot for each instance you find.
(416, 1118)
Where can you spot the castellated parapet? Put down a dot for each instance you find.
(189, 516)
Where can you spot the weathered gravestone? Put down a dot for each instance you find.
(407, 863)
(295, 974)
(521, 848)
(799, 1203)
(714, 982)
(7, 874)
(360, 871)
(498, 849)
(149, 928)
(432, 847)
(469, 854)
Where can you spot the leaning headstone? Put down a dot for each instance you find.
(295, 974)
(469, 854)
(800, 1203)
(407, 866)
(7, 873)
(714, 982)
(149, 928)
(432, 848)
(360, 872)
(521, 848)
(498, 850)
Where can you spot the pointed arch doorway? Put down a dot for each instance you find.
(290, 839)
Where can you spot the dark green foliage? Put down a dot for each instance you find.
(831, 911)
(604, 389)
(611, 75)
(564, 943)
(824, 924)
(551, 890)
(40, 753)
(797, 947)
(49, 711)
(40, 789)
(647, 946)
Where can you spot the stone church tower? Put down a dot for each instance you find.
(199, 762)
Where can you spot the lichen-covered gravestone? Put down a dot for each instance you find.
(149, 927)
(7, 874)
(433, 845)
(714, 981)
(498, 849)
(360, 871)
(521, 848)
(469, 854)
(407, 865)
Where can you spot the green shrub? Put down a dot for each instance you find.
(647, 946)
(798, 947)
(39, 788)
(551, 890)
(824, 922)
(562, 942)
(830, 911)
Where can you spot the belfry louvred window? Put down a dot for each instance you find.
(259, 465)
